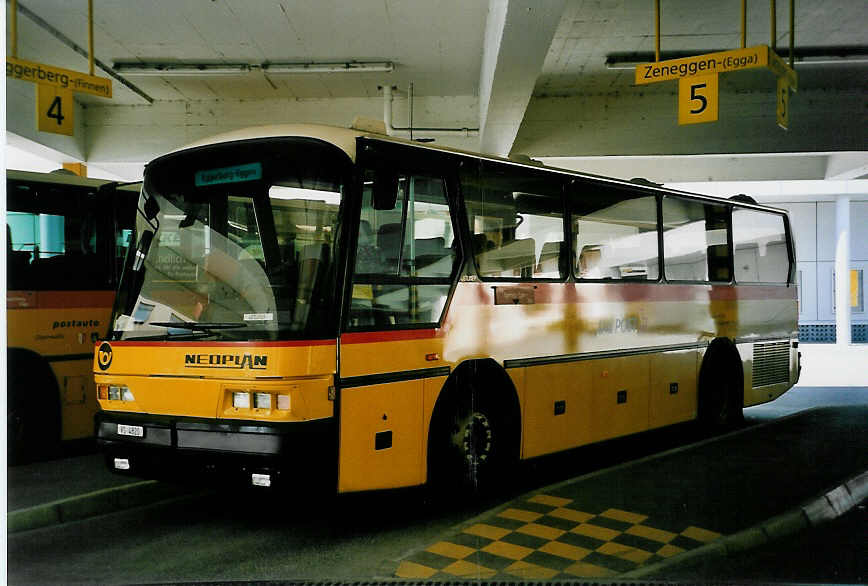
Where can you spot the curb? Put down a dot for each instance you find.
(826, 507)
(92, 504)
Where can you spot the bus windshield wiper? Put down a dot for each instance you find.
(204, 326)
(184, 336)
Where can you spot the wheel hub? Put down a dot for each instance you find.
(476, 443)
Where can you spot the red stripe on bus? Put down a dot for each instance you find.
(483, 294)
(389, 336)
(249, 344)
(58, 299)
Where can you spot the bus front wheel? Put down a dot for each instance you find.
(472, 443)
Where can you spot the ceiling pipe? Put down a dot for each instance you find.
(405, 130)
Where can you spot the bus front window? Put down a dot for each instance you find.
(243, 243)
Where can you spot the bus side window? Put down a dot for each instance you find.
(516, 218)
(405, 255)
(760, 243)
(615, 233)
(695, 241)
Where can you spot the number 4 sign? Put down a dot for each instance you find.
(54, 110)
(697, 99)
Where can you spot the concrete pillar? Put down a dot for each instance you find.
(842, 270)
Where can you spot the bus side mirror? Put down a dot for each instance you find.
(385, 192)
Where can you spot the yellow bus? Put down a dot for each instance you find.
(396, 313)
(65, 243)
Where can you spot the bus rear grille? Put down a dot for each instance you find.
(771, 363)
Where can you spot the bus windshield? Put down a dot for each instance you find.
(235, 242)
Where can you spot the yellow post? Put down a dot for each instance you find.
(13, 28)
(79, 169)
(657, 30)
(743, 24)
(90, 35)
(773, 20)
(792, 34)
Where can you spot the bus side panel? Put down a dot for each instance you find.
(620, 401)
(764, 393)
(77, 397)
(381, 436)
(62, 326)
(432, 389)
(673, 387)
(558, 411)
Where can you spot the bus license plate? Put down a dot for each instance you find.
(131, 430)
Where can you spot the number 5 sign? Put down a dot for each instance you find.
(697, 99)
(54, 110)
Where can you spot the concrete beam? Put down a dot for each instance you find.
(640, 123)
(681, 168)
(129, 134)
(518, 34)
(842, 166)
(21, 121)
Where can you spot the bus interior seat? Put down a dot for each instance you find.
(389, 240)
(590, 259)
(516, 258)
(429, 254)
(549, 257)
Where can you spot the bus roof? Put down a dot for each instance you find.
(64, 179)
(345, 139)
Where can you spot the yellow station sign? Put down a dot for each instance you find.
(55, 110)
(66, 79)
(697, 99)
(697, 80)
(702, 65)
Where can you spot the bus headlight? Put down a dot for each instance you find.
(262, 400)
(115, 393)
(283, 403)
(241, 400)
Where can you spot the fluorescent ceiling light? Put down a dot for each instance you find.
(345, 67)
(843, 55)
(142, 69)
(172, 69)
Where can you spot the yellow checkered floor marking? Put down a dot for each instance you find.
(520, 515)
(508, 550)
(451, 550)
(548, 537)
(703, 535)
(464, 569)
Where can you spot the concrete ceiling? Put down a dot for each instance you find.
(531, 75)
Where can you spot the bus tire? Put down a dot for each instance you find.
(474, 436)
(32, 411)
(721, 388)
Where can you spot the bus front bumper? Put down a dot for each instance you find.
(167, 447)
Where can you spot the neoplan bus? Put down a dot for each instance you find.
(401, 313)
(65, 246)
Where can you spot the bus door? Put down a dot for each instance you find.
(403, 270)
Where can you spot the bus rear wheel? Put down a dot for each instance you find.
(32, 415)
(472, 443)
(720, 395)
